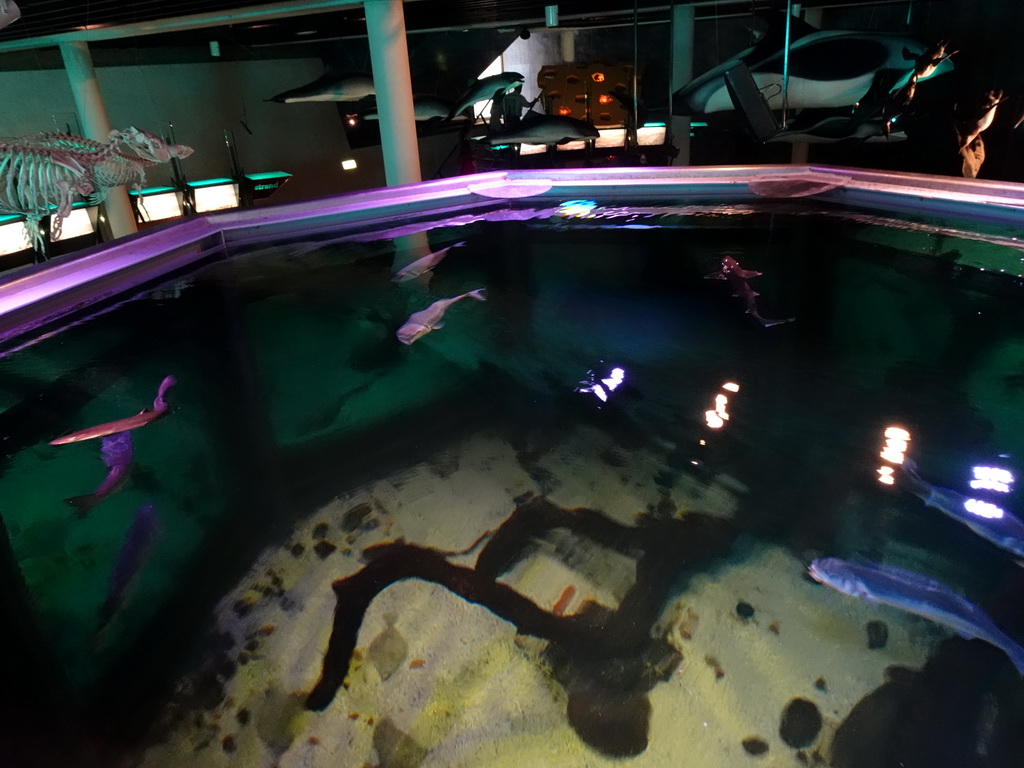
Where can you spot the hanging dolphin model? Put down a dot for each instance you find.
(9, 12)
(486, 88)
(833, 128)
(543, 129)
(331, 86)
(827, 68)
(425, 108)
(917, 594)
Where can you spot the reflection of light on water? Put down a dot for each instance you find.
(983, 509)
(571, 208)
(897, 440)
(606, 385)
(717, 417)
(993, 479)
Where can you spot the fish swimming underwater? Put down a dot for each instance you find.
(116, 452)
(990, 522)
(141, 419)
(738, 279)
(331, 86)
(543, 129)
(423, 266)
(484, 89)
(426, 320)
(917, 594)
(130, 559)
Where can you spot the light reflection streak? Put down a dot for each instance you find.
(894, 451)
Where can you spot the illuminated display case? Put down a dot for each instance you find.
(597, 93)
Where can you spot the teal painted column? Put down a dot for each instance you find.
(96, 126)
(389, 56)
(682, 73)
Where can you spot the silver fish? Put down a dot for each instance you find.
(486, 88)
(426, 320)
(116, 452)
(131, 557)
(917, 594)
(990, 522)
(332, 86)
(422, 266)
(544, 129)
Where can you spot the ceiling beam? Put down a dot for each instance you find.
(252, 14)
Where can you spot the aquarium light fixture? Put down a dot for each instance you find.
(14, 235)
(77, 224)
(160, 206)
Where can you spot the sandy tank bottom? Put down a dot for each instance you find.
(438, 682)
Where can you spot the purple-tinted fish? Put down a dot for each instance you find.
(134, 551)
(116, 452)
(426, 320)
(141, 419)
(422, 267)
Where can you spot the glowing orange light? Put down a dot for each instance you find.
(604, 98)
(564, 111)
(598, 77)
(731, 386)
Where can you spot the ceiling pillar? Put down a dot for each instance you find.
(92, 114)
(389, 56)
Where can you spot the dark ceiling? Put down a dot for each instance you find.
(43, 18)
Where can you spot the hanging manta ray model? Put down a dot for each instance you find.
(46, 173)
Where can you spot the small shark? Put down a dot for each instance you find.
(917, 594)
(423, 266)
(426, 320)
(424, 108)
(141, 419)
(485, 89)
(543, 129)
(130, 559)
(116, 452)
(987, 520)
(331, 86)
(738, 279)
